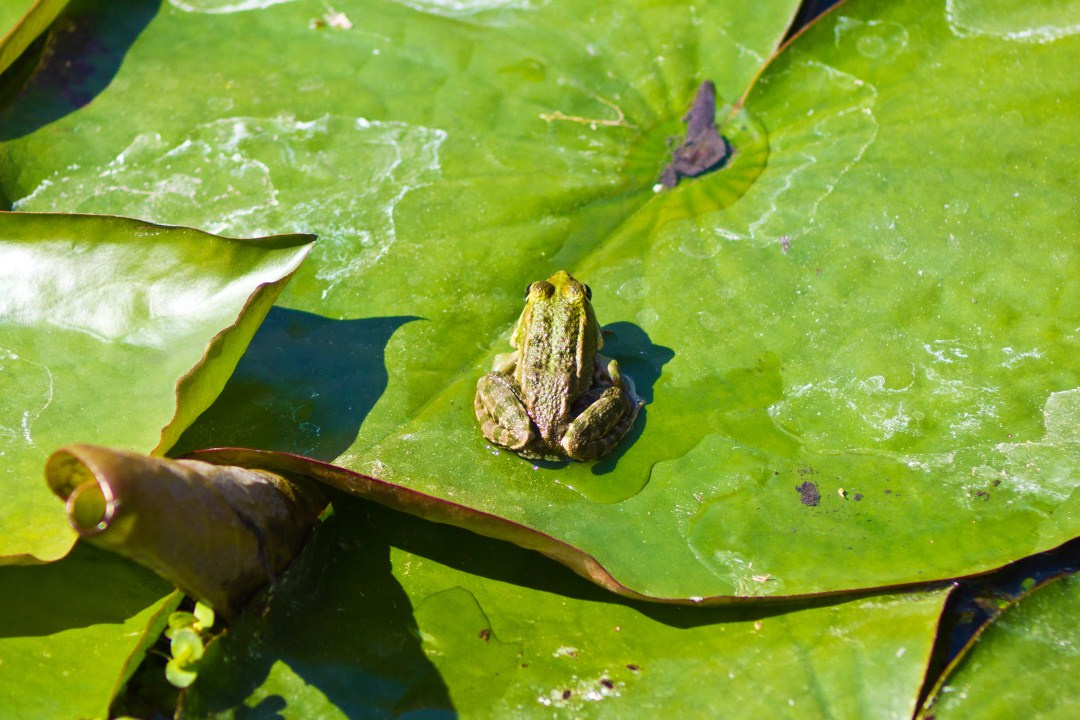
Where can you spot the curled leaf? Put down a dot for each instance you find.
(219, 533)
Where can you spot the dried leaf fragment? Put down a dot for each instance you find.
(703, 149)
(219, 533)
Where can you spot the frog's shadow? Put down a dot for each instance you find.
(641, 361)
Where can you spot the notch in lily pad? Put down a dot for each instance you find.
(703, 149)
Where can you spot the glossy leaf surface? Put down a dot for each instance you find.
(114, 331)
(836, 334)
(1023, 665)
(385, 614)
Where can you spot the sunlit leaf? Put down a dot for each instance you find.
(114, 331)
(852, 377)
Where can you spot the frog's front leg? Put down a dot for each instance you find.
(503, 418)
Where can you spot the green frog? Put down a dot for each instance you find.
(556, 396)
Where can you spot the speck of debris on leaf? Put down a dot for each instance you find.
(632, 667)
(485, 634)
(808, 494)
(608, 684)
(565, 694)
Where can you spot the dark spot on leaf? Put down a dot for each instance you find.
(982, 494)
(565, 694)
(808, 494)
(806, 470)
(858, 497)
(997, 482)
(703, 149)
(632, 667)
(888, 492)
(608, 684)
(485, 634)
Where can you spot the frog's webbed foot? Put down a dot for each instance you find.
(501, 414)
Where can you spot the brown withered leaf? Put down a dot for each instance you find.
(220, 533)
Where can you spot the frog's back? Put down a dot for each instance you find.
(555, 366)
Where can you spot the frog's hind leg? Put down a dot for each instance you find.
(601, 425)
(501, 414)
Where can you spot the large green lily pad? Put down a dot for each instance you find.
(114, 331)
(427, 618)
(1034, 645)
(857, 341)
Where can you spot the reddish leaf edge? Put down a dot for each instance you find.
(447, 512)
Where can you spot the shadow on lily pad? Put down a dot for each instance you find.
(504, 562)
(85, 48)
(304, 386)
(334, 636)
(39, 600)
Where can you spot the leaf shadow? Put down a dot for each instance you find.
(88, 587)
(505, 562)
(337, 624)
(304, 386)
(83, 52)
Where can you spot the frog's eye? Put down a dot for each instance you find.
(541, 288)
(588, 293)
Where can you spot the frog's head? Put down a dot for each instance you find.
(566, 288)
(566, 298)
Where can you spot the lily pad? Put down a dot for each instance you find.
(114, 331)
(429, 618)
(852, 380)
(71, 632)
(1033, 644)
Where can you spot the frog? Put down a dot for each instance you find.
(555, 397)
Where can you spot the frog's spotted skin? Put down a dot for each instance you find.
(555, 396)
